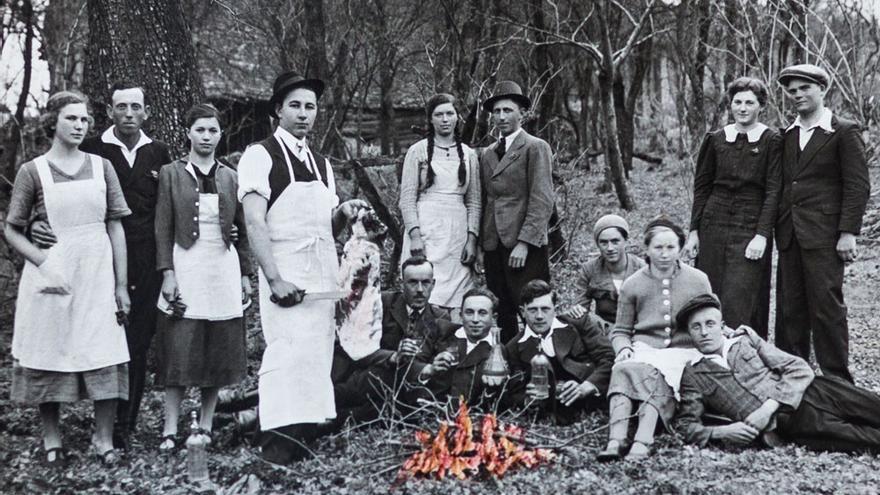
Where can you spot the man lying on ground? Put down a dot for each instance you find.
(766, 392)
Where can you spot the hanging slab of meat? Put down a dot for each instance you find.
(360, 313)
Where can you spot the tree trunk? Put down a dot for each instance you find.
(149, 43)
(63, 43)
(697, 70)
(543, 65)
(386, 109)
(606, 81)
(28, 19)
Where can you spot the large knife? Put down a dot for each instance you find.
(318, 296)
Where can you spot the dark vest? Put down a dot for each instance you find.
(279, 178)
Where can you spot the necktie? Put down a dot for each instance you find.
(413, 320)
(501, 148)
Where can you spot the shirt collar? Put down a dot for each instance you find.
(290, 140)
(546, 339)
(192, 169)
(109, 137)
(509, 139)
(461, 334)
(824, 122)
(753, 135)
(720, 359)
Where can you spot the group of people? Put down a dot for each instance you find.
(122, 242)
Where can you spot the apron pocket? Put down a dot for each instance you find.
(51, 275)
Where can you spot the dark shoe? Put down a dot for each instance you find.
(56, 457)
(771, 439)
(247, 421)
(229, 401)
(109, 457)
(638, 456)
(120, 440)
(613, 452)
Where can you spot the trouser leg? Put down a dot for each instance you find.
(792, 310)
(823, 270)
(506, 282)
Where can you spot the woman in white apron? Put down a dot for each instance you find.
(205, 279)
(440, 203)
(68, 342)
(651, 352)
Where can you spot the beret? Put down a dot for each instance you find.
(696, 303)
(807, 72)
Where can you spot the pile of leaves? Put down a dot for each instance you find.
(458, 450)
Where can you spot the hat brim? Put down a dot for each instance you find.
(315, 85)
(522, 100)
(681, 319)
(783, 80)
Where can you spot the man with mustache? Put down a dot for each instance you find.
(825, 189)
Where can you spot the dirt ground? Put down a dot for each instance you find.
(364, 460)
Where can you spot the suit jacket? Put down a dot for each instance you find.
(177, 211)
(517, 193)
(825, 187)
(583, 353)
(758, 371)
(466, 378)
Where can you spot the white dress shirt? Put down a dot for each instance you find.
(806, 133)
(130, 155)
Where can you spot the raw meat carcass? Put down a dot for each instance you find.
(360, 312)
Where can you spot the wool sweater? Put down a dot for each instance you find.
(647, 307)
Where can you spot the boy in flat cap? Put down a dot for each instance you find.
(292, 215)
(825, 190)
(768, 393)
(518, 202)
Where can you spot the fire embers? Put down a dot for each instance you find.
(456, 451)
(360, 312)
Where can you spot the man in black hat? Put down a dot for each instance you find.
(292, 215)
(766, 392)
(825, 190)
(518, 198)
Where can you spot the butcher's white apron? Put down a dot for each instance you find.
(295, 385)
(208, 274)
(76, 331)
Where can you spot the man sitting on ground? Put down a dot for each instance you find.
(580, 357)
(766, 392)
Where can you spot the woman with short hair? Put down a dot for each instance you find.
(68, 342)
(205, 278)
(736, 196)
(651, 352)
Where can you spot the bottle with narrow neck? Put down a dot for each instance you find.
(196, 453)
(496, 365)
(540, 364)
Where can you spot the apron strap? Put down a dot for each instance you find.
(286, 159)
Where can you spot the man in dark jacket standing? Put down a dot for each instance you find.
(136, 159)
(825, 190)
(518, 202)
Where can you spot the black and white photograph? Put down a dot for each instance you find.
(455, 247)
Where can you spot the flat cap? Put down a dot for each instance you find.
(695, 304)
(807, 72)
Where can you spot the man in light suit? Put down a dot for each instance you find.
(518, 201)
(825, 190)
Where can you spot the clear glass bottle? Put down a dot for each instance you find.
(496, 365)
(196, 453)
(540, 375)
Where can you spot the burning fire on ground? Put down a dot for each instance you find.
(463, 451)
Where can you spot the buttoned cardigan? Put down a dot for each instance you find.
(177, 213)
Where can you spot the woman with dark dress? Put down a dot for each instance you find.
(205, 279)
(736, 193)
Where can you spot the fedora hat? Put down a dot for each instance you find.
(287, 82)
(507, 90)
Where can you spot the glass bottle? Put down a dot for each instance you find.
(196, 452)
(496, 365)
(540, 375)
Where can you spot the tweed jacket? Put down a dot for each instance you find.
(758, 372)
(583, 353)
(596, 284)
(177, 212)
(825, 187)
(517, 193)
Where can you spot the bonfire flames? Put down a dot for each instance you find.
(457, 451)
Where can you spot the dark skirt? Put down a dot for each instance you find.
(32, 386)
(742, 285)
(201, 353)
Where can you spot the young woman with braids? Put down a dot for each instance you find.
(440, 203)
